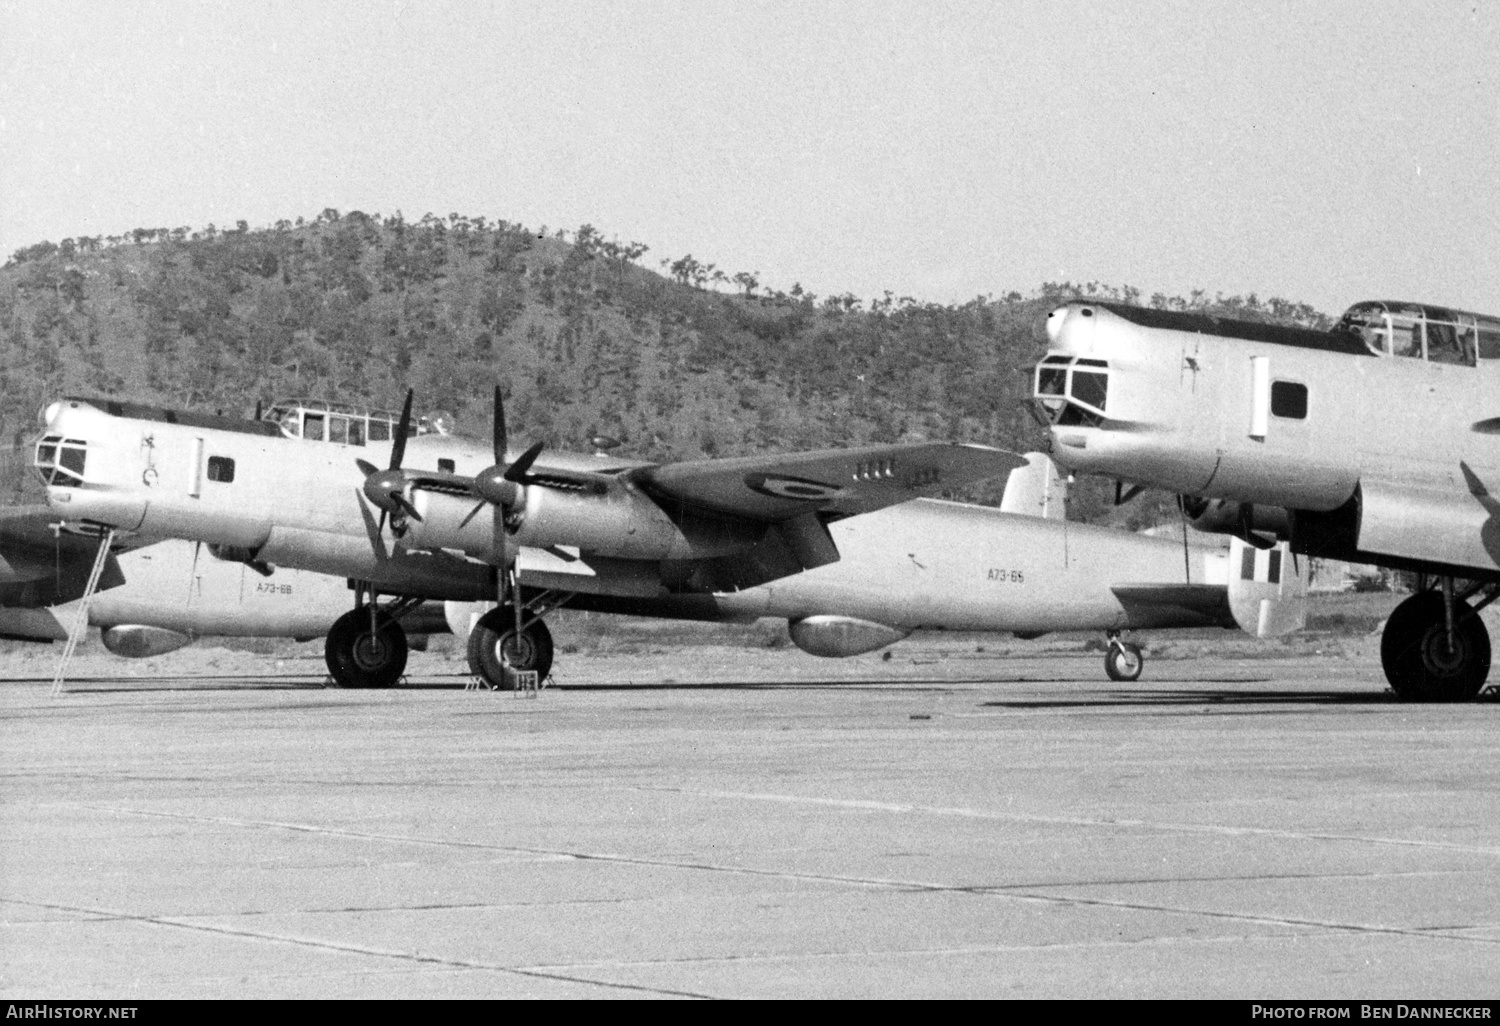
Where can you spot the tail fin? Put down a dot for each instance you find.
(1267, 589)
(1038, 489)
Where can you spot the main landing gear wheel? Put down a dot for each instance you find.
(358, 658)
(493, 646)
(1419, 662)
(1124, 661)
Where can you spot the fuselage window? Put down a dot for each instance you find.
(312, 427)
(1090, 389)
(1406, 336)
(1489, 341)
(1443, 344)
(446, 466)
(220, 468)
(1289, 399)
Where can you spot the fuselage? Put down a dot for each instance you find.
(933, 565)
(1387, 423)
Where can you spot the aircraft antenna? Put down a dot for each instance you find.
(1187, 563)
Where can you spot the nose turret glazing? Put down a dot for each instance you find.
(1074, 391)
(61, 461)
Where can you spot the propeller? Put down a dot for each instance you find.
(499, 484)
(387, 488)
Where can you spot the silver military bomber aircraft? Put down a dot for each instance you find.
(1378, 439)
(467, 522)
(156, 596)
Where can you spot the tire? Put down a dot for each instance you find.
(1124, 661)
(496, 629)
(1414, 651)
(358, 659)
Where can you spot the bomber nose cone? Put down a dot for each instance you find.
(1054, 323)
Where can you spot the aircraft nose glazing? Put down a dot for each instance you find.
(61, 461)
(1073, 390)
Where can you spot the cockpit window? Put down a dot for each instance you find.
(1428, 333)
(1073, 391)
(61, 461)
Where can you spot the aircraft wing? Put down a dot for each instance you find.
(34, 527)
(848, 481)
(1175, 605)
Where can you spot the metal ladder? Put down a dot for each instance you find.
(81, 618)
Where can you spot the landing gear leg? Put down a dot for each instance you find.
(366, 647)
(496, 644)
(1123, 661)
(1435, 647)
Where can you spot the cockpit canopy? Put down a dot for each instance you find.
(1420, 332)
(318, 421)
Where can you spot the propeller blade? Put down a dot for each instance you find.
(406, 507)
(517, 471)
(366, 468)
(398, 448)
(499, 424)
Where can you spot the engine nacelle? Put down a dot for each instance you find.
(134, 641)
(619, 523)
(1223, 516)
(839, 636)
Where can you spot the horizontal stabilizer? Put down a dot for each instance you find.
(1175, 605)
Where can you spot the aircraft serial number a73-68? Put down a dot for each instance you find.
(1379, 438)
(411, 514)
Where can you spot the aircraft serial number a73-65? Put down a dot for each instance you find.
(1379, 439)
(410, 513)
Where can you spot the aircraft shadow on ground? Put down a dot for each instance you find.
(885, 683)
(1215, 698)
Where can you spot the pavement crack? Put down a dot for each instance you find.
(1085, 821)
(882, 883)
(412, 957)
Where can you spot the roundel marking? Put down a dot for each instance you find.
(783, 487)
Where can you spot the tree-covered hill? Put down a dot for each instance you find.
(581, 333)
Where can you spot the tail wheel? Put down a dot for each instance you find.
(358, 658)
(1124, 661)
(493, 646)
(1419, 661)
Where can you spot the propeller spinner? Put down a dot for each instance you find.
(499, 484)
(387, 488)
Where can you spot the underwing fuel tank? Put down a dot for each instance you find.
(135, 641)
(840, 636)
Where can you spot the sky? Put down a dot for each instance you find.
(1325, 153)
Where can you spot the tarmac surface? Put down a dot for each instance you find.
(946, 823)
